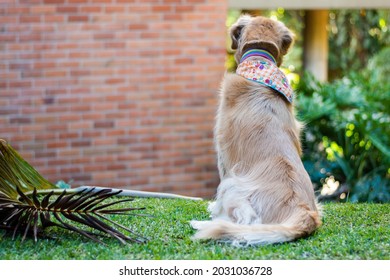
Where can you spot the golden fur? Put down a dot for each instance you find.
(265, 194)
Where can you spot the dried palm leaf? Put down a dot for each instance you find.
(29, 203)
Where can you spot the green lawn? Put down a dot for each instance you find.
(350, 231)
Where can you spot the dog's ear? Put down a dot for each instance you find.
(287, 39)
(236, 29)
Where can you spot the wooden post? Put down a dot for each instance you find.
(315, 50)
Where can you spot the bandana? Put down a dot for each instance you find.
(262, 69)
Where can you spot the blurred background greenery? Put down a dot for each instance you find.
(346, 140)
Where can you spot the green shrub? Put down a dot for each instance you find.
(354, 37)
(379, 66)
(347, 136)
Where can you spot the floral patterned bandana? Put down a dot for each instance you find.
(262, 69)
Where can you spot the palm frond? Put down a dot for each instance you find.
(29, 203)
(15, 173)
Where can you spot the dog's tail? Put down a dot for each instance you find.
(300, 224)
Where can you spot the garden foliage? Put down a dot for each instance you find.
(354, 37)
(347, 133)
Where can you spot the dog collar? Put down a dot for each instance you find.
(262, 69)
(256, 52)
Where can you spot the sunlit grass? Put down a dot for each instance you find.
(350, 231)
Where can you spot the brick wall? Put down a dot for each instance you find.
(114, 92)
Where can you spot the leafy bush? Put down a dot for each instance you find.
(379, 66)
(354, 37)
(347, 136)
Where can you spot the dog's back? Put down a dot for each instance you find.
(265, 194)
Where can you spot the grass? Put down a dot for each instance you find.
(350, 231)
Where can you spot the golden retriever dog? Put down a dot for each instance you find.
(265, 194)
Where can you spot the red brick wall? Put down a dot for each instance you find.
(114, 92)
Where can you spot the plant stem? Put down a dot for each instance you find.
(124, 192)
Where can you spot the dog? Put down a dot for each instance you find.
(265, 195)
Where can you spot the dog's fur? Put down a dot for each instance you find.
(265, 194)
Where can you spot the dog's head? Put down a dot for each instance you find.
(260, 33)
